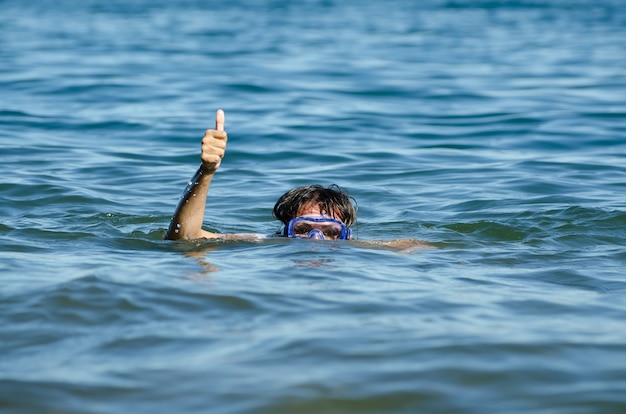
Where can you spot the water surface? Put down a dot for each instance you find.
(491, 130)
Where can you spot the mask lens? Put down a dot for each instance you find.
(332, 229)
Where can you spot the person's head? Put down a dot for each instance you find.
(315, 201)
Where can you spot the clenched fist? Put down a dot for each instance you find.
(214, 144)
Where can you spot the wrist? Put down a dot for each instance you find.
(208, 168)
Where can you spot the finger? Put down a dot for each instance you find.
(219, 120)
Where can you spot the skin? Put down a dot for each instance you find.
(312, 209)
(187, 221)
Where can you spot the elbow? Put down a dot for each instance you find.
(174, 231)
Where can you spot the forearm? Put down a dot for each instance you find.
(189, 215)
(187, 220)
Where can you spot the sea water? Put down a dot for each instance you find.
(493, 131)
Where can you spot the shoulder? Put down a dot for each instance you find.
(398, 245)
(232, 236)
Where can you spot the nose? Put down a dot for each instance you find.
(316, 234)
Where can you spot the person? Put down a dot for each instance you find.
(308, 212)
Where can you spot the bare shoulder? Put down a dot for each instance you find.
(398, 245)
(243, 236)
(231, 236)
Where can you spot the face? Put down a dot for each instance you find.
(312, 224)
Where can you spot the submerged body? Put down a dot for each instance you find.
(327, 213)
(307, 212)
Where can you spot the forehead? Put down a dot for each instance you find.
(313, 209)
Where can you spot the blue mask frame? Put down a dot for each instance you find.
(344, 234)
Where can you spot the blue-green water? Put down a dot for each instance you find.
(493, 130)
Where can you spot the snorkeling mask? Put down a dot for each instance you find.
(318, 228)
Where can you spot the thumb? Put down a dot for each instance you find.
(219, 120)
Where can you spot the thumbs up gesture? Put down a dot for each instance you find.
(214, 144)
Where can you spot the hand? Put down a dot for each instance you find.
(214, 144)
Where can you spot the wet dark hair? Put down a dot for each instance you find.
(332, 200)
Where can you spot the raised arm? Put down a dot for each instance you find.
(187, 220)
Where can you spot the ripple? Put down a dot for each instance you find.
(491, 130)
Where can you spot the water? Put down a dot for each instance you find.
(492, 130)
